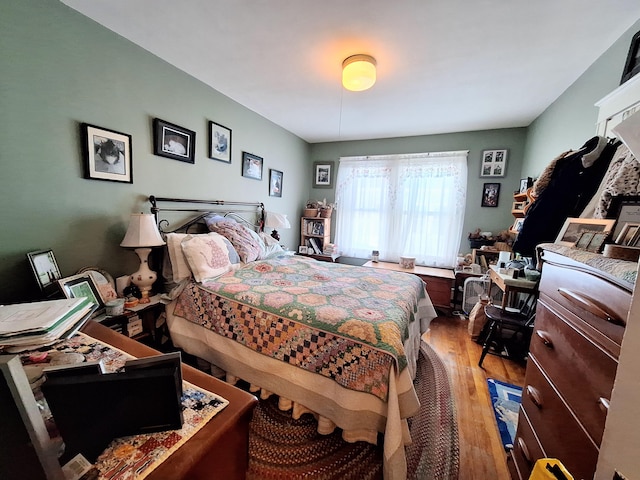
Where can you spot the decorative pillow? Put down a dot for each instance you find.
(245, 244)
(213, 218)
(179, 265)
(207, 255)
(271, 245)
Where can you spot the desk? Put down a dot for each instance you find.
(509, 285)
(221, 446)
(439, 281)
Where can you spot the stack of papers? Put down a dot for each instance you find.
(41, 323)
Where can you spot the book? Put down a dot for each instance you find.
(315, 245)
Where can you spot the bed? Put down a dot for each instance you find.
(338, 341)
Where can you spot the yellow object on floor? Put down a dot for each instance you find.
(549, 469)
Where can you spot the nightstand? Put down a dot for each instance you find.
(146, 330)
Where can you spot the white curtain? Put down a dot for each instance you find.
(402, 205)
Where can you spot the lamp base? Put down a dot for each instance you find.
(144, 278)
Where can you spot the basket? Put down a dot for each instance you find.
(310, 212)
(326, 212)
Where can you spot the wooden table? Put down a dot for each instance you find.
(439, 281)
(220, 450)
(509, 285)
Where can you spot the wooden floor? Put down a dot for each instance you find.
(481, 451)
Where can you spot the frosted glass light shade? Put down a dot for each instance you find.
(142, 232)
(277, 220)
(359, 72)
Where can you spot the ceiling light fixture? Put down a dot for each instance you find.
(359, 72)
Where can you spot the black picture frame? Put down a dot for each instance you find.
(252, 166)
(45, 269)
(525, 184)
(81, 285)
(632, 64)
(173, 141)
(275, 183)
(624, 208)
(219, 142)
(107, 154)
(490, 194)
(323, 174)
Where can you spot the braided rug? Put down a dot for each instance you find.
(283, 448)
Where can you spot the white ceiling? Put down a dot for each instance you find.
(443, 66)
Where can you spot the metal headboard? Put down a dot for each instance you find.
(163, 223)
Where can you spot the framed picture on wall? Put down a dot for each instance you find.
(490, 194)
(174, 142)
(252, 166)
(107, 154)
(494, 163)
(632, 65)
(275, 183)
(323, 174)
(219, 142)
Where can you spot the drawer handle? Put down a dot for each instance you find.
(604, 403)
(535, 396)
(590, 306)
(544, 336)
(525, 450)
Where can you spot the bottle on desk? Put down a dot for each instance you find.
(375, 256)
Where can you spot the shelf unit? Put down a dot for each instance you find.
(521, 203)
(315, 230)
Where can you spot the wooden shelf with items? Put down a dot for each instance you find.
(521, 203)
(315, 233)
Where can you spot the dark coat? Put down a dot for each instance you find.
(570, 189)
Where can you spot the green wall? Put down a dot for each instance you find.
(486, 218)
(59, 69)
(571, 120)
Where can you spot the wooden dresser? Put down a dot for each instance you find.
(580, 321)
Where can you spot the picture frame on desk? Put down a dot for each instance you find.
(82, 285)
(624, 209)
(45, 269)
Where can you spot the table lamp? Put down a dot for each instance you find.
(141, 235)
(276, 220)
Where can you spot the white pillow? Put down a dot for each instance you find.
(179, 264)
(207, 255)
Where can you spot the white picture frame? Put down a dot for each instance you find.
(493, 163)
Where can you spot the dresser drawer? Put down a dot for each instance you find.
(597, 303)
(581, 371)
(558, 431)
(526, 448)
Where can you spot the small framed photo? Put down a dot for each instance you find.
(525, 184)
(632, 64)
(517, 225)
(174, 142)
(45, 269)
(252, 166)
(494, 163)
(598, 239)
(574, 227)
(303, 249)
(323, 174)
(107, 154)
(584, 240)
(275, 183)
(490, 194)
(81, 285)
(629, 234)
(219, 142)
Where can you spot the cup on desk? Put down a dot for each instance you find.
(114, 307)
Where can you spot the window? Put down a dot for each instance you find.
(402, 205)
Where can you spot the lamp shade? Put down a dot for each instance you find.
(142, 232)
(359, 72)
(276, 220)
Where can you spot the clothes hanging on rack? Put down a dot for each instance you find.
(573, 181)
(622, 178)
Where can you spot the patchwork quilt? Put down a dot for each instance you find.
(343, 322)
